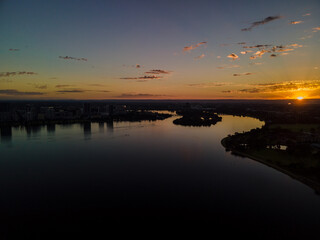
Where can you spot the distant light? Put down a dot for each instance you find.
(300, 98)
(289, 103)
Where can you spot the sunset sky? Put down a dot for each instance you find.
(125, 49)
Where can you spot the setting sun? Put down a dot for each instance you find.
(300, 98)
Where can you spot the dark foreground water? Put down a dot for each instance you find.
(99, 176)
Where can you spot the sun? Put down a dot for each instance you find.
(300, 98)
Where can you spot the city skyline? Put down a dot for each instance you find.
(159, 50)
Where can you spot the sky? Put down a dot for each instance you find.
(136, 49)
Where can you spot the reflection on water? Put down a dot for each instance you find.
(110, 126)
(33, 130)
(101, 127)
(6, 134)
(87, 130)
(51, 128)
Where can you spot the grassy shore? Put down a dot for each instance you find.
(304, 170)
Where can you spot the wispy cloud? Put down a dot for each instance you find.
(14, 49)
(71, 91)
(134, 66)
(208, 85)
(158, 71)
(79, 91)
(11, 74)
(199, 57)
(63, 85)
(142, 78)
(14, 92)
(192, 47)
(296, 22)
(73, 58)
(307, 14)
(242, 74)
(141, 95)
(233, 56)
(258, 23)
(227, 67)
(258, 46)
(96, 85)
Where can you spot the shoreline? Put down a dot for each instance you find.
(306, 181)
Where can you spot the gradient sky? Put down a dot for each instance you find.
(105, 49)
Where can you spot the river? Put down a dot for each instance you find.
(144, 169)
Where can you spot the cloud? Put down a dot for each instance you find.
(79, 91)
(233, 56)
(282, 50)
(192, 47)
(316, 29)
(14, 49)
(199, 57)
(73, 58)
(208, 85)
(307, 14)
(242, 74)
(134, 66)
(158, 71)
(258, 63)
(142, 78)
(71, 91)
(141, 95)
(295, 45)
(63, 85)
(264, 21)
(14, 92)
(244, 52)
(296, 22)
(96, 85)
(291, 86)
(260, 53)
(273, 55)
(227, 67)
(258, 46)
(241, 43)
(11, 74)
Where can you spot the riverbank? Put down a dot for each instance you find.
(312, 183)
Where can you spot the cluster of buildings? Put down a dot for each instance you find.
(20, 113)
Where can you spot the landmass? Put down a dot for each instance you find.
(293, 149)
(197, 118)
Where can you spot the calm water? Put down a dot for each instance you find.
(73, 175)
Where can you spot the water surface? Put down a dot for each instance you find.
(82, 173)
